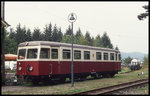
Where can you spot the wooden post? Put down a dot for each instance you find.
(2, 47)
(2, 57)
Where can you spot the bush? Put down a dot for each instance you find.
(145, 62)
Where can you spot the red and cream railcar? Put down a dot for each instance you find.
(45, 60)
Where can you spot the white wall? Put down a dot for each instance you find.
(10, 64)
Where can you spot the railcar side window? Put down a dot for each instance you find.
(105, 56)
(54, 53)
(32, 53)
(21, 54)
(86, 54)
(77, 54)
(98, 56)
(111, 56)
(66, 54)
(45, 53)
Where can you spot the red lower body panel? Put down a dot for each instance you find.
(64, 67)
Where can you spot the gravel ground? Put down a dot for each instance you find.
(127, 93)
(134, 91)
(12, 88)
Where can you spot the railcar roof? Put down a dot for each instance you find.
(58, 44)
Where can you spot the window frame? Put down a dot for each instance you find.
(25, 53)
(79, 51)
(113, 56)
(100, 55)
(86, 54)
(30, 49)
(48, 53)
(119, 57)
(116, 55)
(104, 56)
(57, 54)
(63, 54)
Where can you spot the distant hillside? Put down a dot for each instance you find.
(133, 55)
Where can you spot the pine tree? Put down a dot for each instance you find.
(60, 35)
(88, 38)
(20, 34)
(28, 35)
(42, 37)
(55, 34)
(77, 36)
(92, 41)
(78, 33)
(36, 36)
(97, 41)
(12, 34)
(10, 44)
(106, 43)
(116, 48)
(48, 32)
(68, 31)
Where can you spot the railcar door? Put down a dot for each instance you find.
(44, 60)
(55, 62)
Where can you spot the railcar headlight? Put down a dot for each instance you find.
(31, 68)
(20, 68)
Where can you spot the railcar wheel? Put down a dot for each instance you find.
(62, 80)
(96, 76)
(112, 75)
(35, 82)
(47, 81)
(106, 75)
(83, 78)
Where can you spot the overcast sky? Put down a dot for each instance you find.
(118, 19)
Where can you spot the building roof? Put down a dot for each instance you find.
(4, 23)
(10, 57)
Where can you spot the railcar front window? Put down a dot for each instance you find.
(105, 56)
(111, 56)
(119, 57)
(45, 53)
(21, 54)
(54, 53)
(66, 54)
(98, 55)
(116, 57)
(86, 55)
(77, 54)
(32, 53)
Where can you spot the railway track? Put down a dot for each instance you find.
(114, 88)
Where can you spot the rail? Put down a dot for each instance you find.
(114, 88)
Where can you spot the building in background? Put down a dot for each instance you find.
(3, 25)
(10, 61)
(3, 22)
